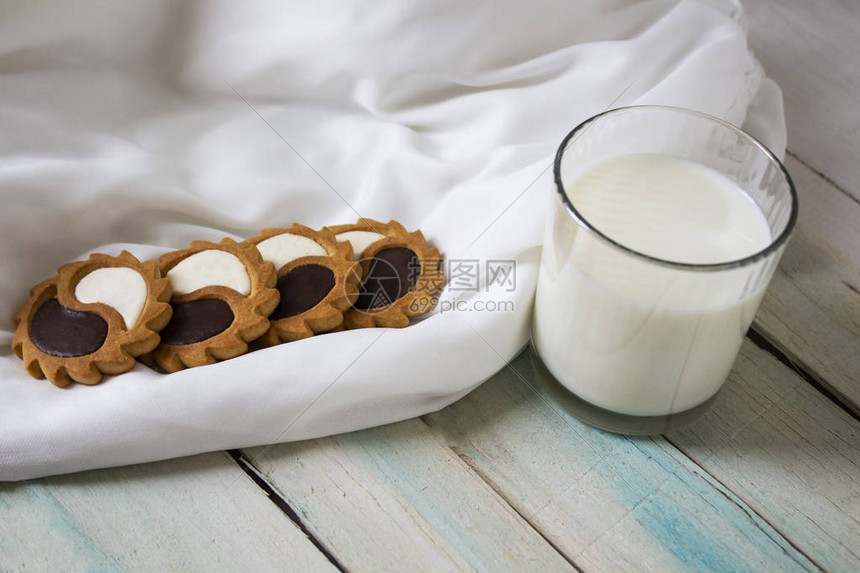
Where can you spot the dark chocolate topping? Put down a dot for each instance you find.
(64, 332)
(302, 289)
(392, 273)
(197, 320)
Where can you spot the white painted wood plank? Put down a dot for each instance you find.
(811, 311)
(810, 49)
(178, 515)
(394, 497)
(790, 454)
(830, 213)
(610, 503)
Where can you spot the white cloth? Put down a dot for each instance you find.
(123, 125)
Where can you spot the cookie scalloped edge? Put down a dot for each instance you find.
(327, 314)
(420, 298)
(117, 354)
(249, 312)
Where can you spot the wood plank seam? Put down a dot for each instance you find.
(759, 521)
(811, 312)
(799, 368)
(476, 470)
(732, 497)
(835, 185)
(467, 468)
(281, 503)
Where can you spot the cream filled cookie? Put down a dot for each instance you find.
(222, 296)
(400, 273)
(92, 319)
(317, 281)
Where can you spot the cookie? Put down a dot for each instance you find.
(317, 281)
(222, 296)
(401, 273)
(92, 319)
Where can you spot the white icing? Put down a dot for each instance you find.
(210, 268)
(286, 247)
(121, 288)
(359, 240)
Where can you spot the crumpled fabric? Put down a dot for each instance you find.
(144, 126)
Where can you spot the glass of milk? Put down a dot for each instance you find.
(665, 228)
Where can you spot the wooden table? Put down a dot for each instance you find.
(505, 480)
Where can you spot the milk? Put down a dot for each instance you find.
(634, 336)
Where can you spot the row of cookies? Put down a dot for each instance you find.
(205, 303)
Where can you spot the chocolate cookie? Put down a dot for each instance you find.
(401, 273)
(222, 296)
(93, 318)
(317, 281)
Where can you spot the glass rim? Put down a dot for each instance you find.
(772, 247)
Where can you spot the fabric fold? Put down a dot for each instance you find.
(146, 127)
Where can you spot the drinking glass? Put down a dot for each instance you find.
(630, 342)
